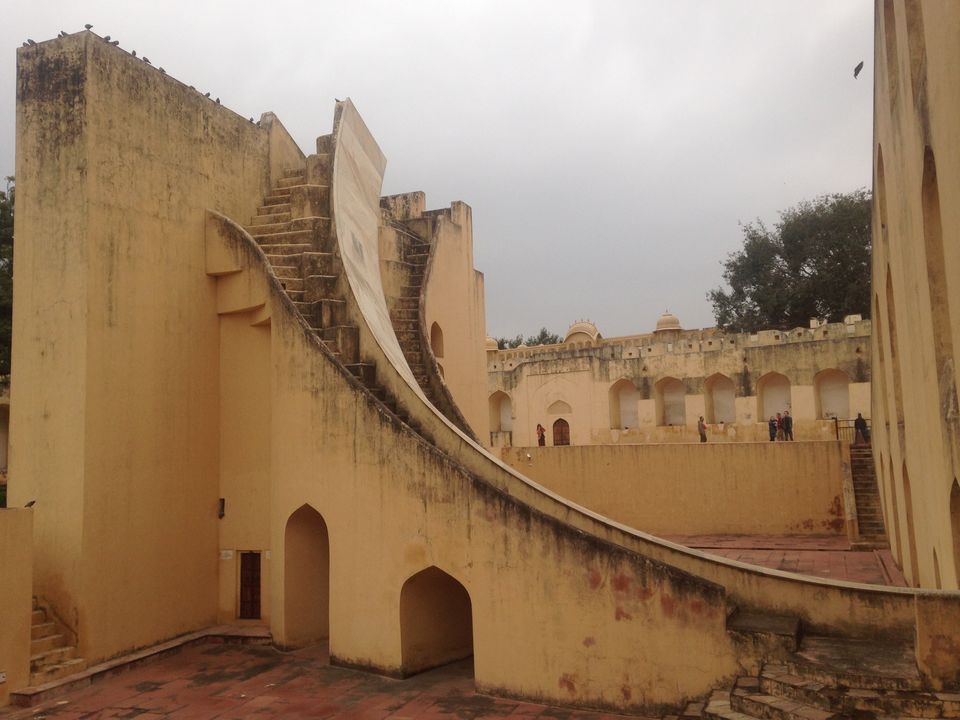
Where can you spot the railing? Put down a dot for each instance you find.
(847, 431)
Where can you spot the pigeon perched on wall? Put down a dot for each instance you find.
(63, 33)
(88, 26)
(147, 60)
(107, 38)
(31, 42)
(162, 71)
(857, 69)
(133, 52)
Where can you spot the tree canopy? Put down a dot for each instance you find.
(544, 337)
(6, 274)
(814, 263)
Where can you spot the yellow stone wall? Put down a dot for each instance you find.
(16, 586)
(916, 284)
(691, 489)
(117, 432)
(576, 381)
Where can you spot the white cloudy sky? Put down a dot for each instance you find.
(608, 148)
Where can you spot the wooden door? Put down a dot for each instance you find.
(561, 432)
(250, 585)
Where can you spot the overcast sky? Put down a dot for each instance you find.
(608, 149)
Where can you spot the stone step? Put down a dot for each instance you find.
(277, 197)
(775, 632)
(290, 180)
(410, 291)
(53, 656)
(776, 681)
(270, 219)
(860, 663)
(416, 258)
(50, 673)
(264, 228)
(46, 643)
(42, 629)
(292, 284)
(283, 272)
(407, 303)
(317, 237)
(284, 248)
(274, 209)
(770, 707)
(322, 314)
(321, 287)
(293, 172)
(366, 373)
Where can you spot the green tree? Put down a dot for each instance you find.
(815, 263)
(6, 274)
(544, 337)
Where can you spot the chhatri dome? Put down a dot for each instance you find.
(668, 321)
(582, 331)
(491, 343)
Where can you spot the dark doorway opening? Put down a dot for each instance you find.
(250, 585)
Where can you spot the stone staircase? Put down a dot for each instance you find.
(51, 654)
(294, 229)
(405, 312)
(832, 678)
(869, 512)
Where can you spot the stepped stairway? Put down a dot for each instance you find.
(405, 313)
(869, 512)
(294, 229)
(51, 655)
(830, 678)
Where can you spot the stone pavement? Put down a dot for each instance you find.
(229, 682)
(827, 556)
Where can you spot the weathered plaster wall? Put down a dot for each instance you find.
(118, 344)
(16, 587)
(688, 489)
(916, 284)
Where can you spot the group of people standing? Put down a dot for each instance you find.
(781, 426)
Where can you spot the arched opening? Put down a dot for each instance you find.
(436, 341)
(719, 394)
(832, 394)
(881, 194)
(306, 578)
(895, 513)
(670, 396)
(501, 412)
(955, 526)
(561, 432)
(559, 407)
(773, 395)
(937, 282)
(894, 348)
(911, 533)
(890, 50)
(436, 621)
(624, 397)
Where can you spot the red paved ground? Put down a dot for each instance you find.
(823, 556)
(229, 682)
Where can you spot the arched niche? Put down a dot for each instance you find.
(559, 407)
(436, 340)
(773, 395)
(436, 621)
(623, 399)
(955, 526)
(671, 402)
(501, 412)
(306, 578)
(719, 399)
(831, 392)
(561, 432)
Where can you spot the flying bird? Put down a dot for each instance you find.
(857, 69)
(88, 26)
